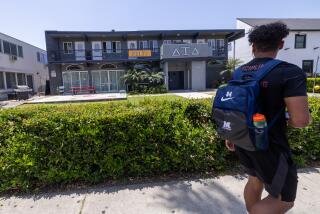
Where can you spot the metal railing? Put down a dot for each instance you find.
(99, 55)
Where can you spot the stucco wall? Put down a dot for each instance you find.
(198, 75)
(27, 65)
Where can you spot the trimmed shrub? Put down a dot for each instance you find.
(310, 84)
(53, 144)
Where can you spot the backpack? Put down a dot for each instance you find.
(234, 106)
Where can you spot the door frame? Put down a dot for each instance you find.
(79, 77)
(109, 83)
(182, 80)
(80, 54)
(96, 54)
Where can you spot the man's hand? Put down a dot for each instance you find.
(230, 146)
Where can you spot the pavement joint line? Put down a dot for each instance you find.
(82, 203)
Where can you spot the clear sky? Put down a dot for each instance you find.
(28, 19)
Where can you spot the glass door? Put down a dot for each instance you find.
(113, 80)
(84, 79)
(79, 51)
(96, 50)
(104, 81)
(67, 83)
(74, 79)
(96, 80)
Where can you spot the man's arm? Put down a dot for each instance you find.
(298, 110)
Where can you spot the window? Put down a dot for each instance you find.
(307, 67)
(220, 44)
(229, 47)
(132, 45)
(20, 51)
(111, 47)
(212, 43)
(11, 80)
(187, 41)
(67, 47)
(10, 48)
(6, 47)
(177, 41)
(41, 57)
(21, 79)
(116, 47)
(13, 49)
(165, 42)
(300, 41)
(143, 44)
(2, 80)
(155, 45)
(0, 45)
(201, 41)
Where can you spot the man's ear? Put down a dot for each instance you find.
(253, 48)
(281, 45)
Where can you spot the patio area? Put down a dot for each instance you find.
(77, 98)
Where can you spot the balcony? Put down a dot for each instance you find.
(72, 56)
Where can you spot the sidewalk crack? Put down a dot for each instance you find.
(82, 204)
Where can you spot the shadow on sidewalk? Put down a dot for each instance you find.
(210, 198)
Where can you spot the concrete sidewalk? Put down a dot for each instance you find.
(207, 196)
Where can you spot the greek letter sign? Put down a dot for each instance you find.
(176, 51)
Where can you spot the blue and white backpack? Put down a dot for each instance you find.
(235, 104)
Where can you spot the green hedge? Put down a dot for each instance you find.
(54, 144)
(310, 84)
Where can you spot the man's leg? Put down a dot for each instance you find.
(271, 205)
(252, 192)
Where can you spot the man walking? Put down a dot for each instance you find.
(284, 86)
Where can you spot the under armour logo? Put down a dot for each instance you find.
(229, 94)
(226, 125)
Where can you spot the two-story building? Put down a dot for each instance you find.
(21, 64)
(190, 59)
(302, 46)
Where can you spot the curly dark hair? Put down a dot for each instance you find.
(267, 37)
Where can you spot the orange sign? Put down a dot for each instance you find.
(139, 53)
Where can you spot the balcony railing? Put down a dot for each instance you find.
(103, 55)
(111, 55)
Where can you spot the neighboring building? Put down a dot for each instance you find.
(302, 46)
(187, 57)
(21, 64)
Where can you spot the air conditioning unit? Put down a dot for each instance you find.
(12, 57)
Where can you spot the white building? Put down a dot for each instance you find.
(302, 46)
(21, 64)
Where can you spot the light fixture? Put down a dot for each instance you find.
(286, 49)
(315, 48)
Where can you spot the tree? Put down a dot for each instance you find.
(135, 78)
(232, 64)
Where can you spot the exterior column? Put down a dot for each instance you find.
(166, 75)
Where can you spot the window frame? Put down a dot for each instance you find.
(2, 80)
(8, 48)
(312, 66)
(304, 41)
(67, 51)
(20, 51)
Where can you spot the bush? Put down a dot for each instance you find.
(310, 84)
(53, 144)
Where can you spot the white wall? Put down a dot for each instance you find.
(295, 56)
(242, 47)
(291, 55)
(27, 65)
